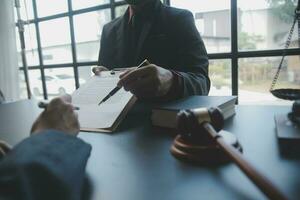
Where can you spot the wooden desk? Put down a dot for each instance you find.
(135, 163)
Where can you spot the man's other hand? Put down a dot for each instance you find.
(4, 148)
(147, 82)
(58, 115)
(98, 69)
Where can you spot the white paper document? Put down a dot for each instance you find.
(106, 115)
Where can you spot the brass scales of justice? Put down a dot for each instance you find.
(288, 125)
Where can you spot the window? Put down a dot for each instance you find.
(56, 47)
(80, 4)
(31, 46)
(238, 36)
(220, 76)
(60, 81)
(256, 75)
(212, 19)
(35, 84)
(272, 29)
(51, 7)
(244, 41)
(26, 10)
(120, 10)
(60, 46)
(88, 42)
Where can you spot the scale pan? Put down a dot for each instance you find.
(287, 94)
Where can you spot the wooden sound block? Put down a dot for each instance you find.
(203, 154)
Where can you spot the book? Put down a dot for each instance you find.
(107, 116)
(164, 115)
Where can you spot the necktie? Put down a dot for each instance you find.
(133, 39)
(132, 21)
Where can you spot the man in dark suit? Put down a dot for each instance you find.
(50, 164)
(168, 38)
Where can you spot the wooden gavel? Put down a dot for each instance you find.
(200, 127)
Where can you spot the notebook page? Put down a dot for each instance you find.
(90, 94)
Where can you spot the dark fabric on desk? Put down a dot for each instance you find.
(168, 38)
(49, 165)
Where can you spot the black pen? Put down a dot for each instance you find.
(117, 88)
(44, 105)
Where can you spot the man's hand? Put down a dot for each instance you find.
(97, 70)
(147, 82)
(4, 148)
(58, 115)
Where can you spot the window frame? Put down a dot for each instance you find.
(234, 55)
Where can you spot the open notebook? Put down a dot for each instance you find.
(107, 116)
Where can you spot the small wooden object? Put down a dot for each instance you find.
(204, 154)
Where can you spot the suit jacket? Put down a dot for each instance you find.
(49, 165)
(168, 38)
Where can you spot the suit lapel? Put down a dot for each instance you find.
(146, 29)
(142, 38)
(121, 38)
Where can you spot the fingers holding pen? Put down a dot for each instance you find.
(134, 75)
(4, 148)
(98, 69)
(142, 81)
(146, 88)
(59, 115)
(127, 71)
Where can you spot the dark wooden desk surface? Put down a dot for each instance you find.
(135, 163)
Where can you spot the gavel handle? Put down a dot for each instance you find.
(262, 182)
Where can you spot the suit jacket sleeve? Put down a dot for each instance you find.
(49, 165)
(193, 61)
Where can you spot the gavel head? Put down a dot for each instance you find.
(189, 124)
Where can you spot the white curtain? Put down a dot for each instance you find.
(9, 81)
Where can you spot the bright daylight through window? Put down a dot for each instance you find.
(244, 42)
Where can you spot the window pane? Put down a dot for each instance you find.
(59, 81)
(22, 85)
(256, 75)
(85, 73)
(79, 4)
(56, 46)
(32, 57)
(120, 10)
(30, 44)
(26, 10)
(87, 35)
(212, 20)
(220, 76)
(264, 25)
(51, 7)
(35, 84)
(124, 1)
